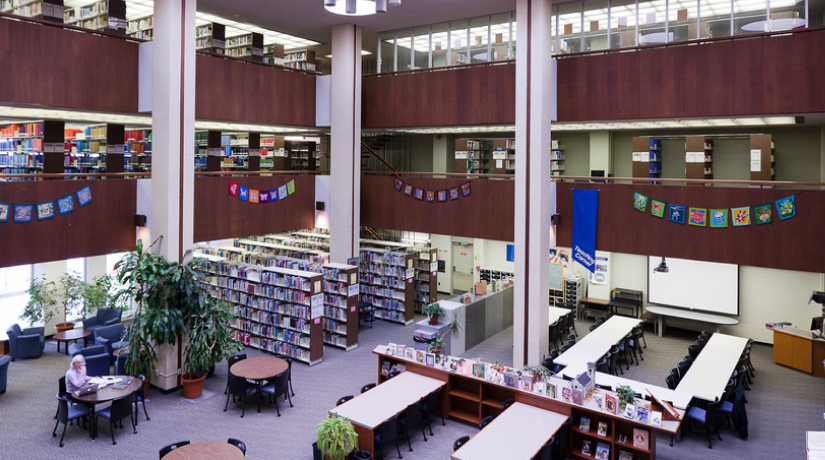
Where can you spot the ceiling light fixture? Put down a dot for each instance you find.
(380, 6)
(351, 7)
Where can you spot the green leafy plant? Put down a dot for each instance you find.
(434, 309)
(98, 294)
(336, 437)
(50, 298)
(438, 342)
(209, 338)
(626, 394)
(539, 371)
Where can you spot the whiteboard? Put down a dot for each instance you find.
(701, 286)
(555, 276)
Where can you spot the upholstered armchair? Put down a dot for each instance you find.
(97, 360)
(103, 317)
(26, 343)
(111, 337)
(4, 372)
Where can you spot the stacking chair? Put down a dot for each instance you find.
(460, 442)
(553, 333)
(393, 374)
(546, 451)
(239, 444)
(704, 417)
(432, 407)
(671, 382)
(386, 433)
(742, 376)
(171, 447)
(507, 403)
(746, 359)
(288, 371)
(635, 343)
(138, 398)
(750, 365)
(413, 416)
(571, 322)
(278, 387)
(561, 439)
(624, 349)
(677, 377)
(548, 363)
(66, 414)
(229, 362)
(485, 421)
(238, 387)
(602, 365)
(565, 347)
(642, 328)
(694, 350)
(616, 353)
(726, 403)
(683, 367)
(343, 399)
(367, 387)
(61, 394)
(701, 343)
(119, 410)
(612, 361)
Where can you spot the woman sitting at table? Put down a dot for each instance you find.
(76, 375)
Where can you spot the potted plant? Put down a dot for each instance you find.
(436, 345)
(47, 299)
(336, 437)
(539, 373)
(97, 294)
(626, 396)
(434, 310)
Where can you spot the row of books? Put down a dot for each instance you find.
(336, 313)
(386, 258)
(335, 326)
(334, 287)
(272, 319)
(379, 280)
(22, 160)
(381, 302)
(283, 335)
(72, 14)
(273, 346)
(22, 130)
(384, 270)
(376, 291)
(335, 339)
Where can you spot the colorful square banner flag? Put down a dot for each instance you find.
(657, 208)
(273, 195)
(290, 187)
(282, 193)
(431, 196)
(763, 214)
(418, 194)
(698, 216)
(442, 195)
(640, 202)
(253, 196)
(676, 213)
(718, 218)
(454, 194)
(465, 189)
(243, 193)
(264, 197)
(233, 188)
(5, 210)
(45, 210)
(23, 212)
(739, 217)
(399, 184)
(65, 205)
(408, 190)
(786, 207)
(84, 196)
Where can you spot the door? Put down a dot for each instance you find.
(462, 266)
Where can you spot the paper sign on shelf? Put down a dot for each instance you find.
(637, 156)
(352, 290)
(352, 308)
(499, 155)
(353, 278)
(254, 152)
(756, 166)
(461, 155)
(317, 300)
(410, 272)
(213, 152)
(434, 266)
(499, 164)
(644, 157)
(756, 154)
(317, 286)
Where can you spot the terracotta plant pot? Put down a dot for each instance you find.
(193, 384)
(434, 319)
(62, 327)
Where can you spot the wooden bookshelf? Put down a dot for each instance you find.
(341, 305)
(95, 149)
(302, 155)
(138, 150)
(210, 37)
(698, 157)
(107, 15)
(142, 28)
(22, 147)
(386, 282)
(473, 156)
(647, 157)
(274, 53)
(49, 10)
(300, 59)
(762, 155)
(311, 255)
(556, 159)
(248, 46)
(426, 278)
(274, 156)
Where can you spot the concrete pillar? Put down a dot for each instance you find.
(173, 126)
(345, 152)
(601, 152)
(535, 198)
(443, 153)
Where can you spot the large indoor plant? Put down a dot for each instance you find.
(336, 437)
(50, 298)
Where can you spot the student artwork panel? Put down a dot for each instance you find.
(261, 196)
(786, 207)
(23, 212)
(676, 213)
(640, 202)
(763, 214)
(84, 196)
(657, 208)
(741, 216)
(432, 196)
(698, 216)
(45, 210)
(5, 210)
(718, 218)
(65, 205)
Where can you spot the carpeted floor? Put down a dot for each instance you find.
(783, 404)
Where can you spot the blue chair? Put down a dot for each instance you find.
(706, 418)
(26, 343)
(4, 372)
(119, 410)
(97, 360)
(277, 388)
(111, 337)
(66, 414)
(103, 317)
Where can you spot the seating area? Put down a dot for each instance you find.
(26, 343)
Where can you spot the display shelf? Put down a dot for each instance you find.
(210, 37)
(302, 155)
(51, 10)
(300, 59)
(248, 46)
(426, 278)
(395, 272)
(311, 255)
(142, 28)
(698, 157)
(762, 159)
(340, 305)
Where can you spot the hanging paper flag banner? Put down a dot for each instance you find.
(418, 193)
(676, 213)
(261, 196)
(431, 196)
(465, 189)
(65, 205)
(740, 216)
(408, 190)
(233, 188)
(786, 207)
(657, 208)
(763, 214)
(84, 196)
(243, 193)
(5, 210)
(718, 218)
(23, 212)
(264, 197)
(45, 210)
(698, 216)
(398, 184)
(290, 187)
(253, 196)
(442, 195)
(273, 196)
(454, 193)
(640, 201)
(585, 213)
(282, 193)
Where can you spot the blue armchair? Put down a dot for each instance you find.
(104, 317)
(4, 372)
(97, 361)
(26, 343)
(111, 337)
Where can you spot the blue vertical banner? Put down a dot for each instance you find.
(585, 212)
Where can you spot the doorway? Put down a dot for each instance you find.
(462, 265)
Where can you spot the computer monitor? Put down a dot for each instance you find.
(816, 323)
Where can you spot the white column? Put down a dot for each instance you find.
(534, 193)
(173, 126)
(601, 152)
(345, 152)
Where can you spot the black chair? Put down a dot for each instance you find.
(61, 393)
(561, 440)
(635, 344)
(119, 410)
(565, 347)
(624, 350)
(393, 373)
(571, 322)
(229, 362)
(742, 376)
(66, 414)
(546, 451)
(366, 313)
(726, 403)
(238, 387)
(238, 443)
(642, 328)
(694, 350)
(671, 382)
(705, 418)
(460, 442)
(548, 363)
(683, 367)
(386, 433)
(367, 387)
(412, 417)
(343, 399)
(485, 421)
(603, 366)
(138, 398)
(288, 371)
(553, 333)
(171, 447)
(676, 375)
(278, 387)
(615, 365)
(432, 407)
(507, 403)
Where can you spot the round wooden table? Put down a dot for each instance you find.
(206, 450)
(259, 369)
(109, 393)
(72, 335)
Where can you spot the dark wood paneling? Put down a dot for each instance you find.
(755, 76)
(221, 215)
(792, 244)
(102, 226)
(232, 90)
(54, 67)
(456, 97)
(486, 213)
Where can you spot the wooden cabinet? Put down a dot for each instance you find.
(793, 349)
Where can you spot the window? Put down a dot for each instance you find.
(14, 281)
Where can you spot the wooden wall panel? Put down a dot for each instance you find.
(106, 224)
(456, 97)
(725, 78)
(220, 215)
(227, 89)
(54, 67)
(792, 244)
(486, 213)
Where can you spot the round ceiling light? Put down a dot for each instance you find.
(362, 7)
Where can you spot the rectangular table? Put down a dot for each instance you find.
(557, 313)
(663, 312)
(711, 370)
(369, 410)
(678, 399)
(594, 345)
(518, 433)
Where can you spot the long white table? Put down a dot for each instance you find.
(518, 433)
(716, 320)
(597, 343)
(556, 314)
(677, 398)
(711, 370)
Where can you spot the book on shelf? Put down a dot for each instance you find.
(478, 370)
(584, 424)
(640, 438)
(625, 455)
(629, 411)
(602, 430)
(587, 447)
(642, 414)
(602, 451)
(655, 418)
(385, 367)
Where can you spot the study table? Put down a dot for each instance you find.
(717, 320)
(517, 433)
(596, 344)
(711, 370)
(557, 313)
(72, 335)
(106, 394)
(259, 368)
(370, 409)
(206, 450)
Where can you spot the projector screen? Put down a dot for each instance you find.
(701, 286)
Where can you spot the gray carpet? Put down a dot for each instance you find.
(783, 405)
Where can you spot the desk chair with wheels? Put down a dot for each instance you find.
(171, 447)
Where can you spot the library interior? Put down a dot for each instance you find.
(474, 229)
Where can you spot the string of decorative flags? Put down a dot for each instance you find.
(261, 196)
(716, 218)
(46, 210)
(451, 194)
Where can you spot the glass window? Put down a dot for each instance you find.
(714, 18)
(403, 50)
(459, 34)
(622, 23)
(652, 22)
(14, 281)
(77, 267)
(480, 40)
(440, 42)
(386, 52)
(570, 27)
(816, 14)
(787, 15)
(750, 16)
(681, 16)
(421, 48)
(500, 36)
(595, 25)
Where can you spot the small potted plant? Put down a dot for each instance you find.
(434, 310)
(626, 396)
(336, 437)
(539, 373)
(47, 298)
(436, 346)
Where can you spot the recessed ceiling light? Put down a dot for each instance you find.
(351, 7)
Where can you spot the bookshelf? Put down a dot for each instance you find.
(556, 297)
(473, 156)
(50, 10)
(300, 59)
(311, 255)
(302, 155)
(138, 150)
(762, 157)
(647, 157)
(95, 148)
(426, 278)
(698, 157)
(210, 37)
(340, 305)
(108, 15)
(556, 159)
(248, 46)
(273, 153)
(503, 156)
(142, 28)
(21, 148)
(386, 282)
(274, 54)
(277, 309)
(489, 274)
